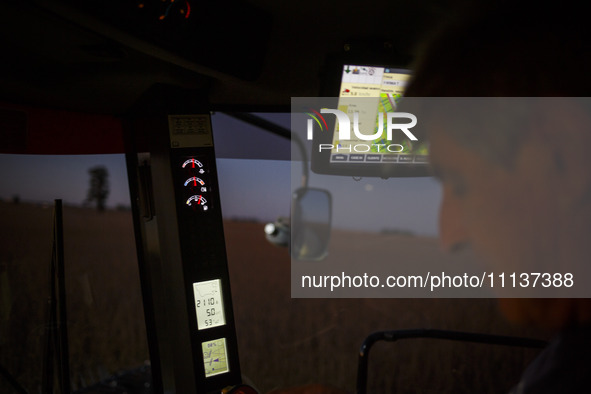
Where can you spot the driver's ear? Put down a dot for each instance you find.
(452, 233)
(564, 127)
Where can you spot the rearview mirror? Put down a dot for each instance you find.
(311, 213)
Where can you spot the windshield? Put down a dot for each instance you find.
(282, 341)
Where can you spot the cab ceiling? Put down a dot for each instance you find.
(102, 56)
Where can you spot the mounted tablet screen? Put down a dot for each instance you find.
(374, 146)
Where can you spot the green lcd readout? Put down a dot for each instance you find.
(215, 357)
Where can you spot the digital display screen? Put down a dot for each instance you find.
(209, 304)
(372, 93)
(215, 357)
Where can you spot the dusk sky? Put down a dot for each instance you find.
(254, 188)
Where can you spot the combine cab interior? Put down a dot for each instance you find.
(85, 82)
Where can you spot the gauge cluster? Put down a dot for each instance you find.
(196, 185)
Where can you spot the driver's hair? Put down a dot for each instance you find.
(509, 49)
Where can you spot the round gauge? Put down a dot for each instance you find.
(196, 183)
(192, 163)
(197, 201)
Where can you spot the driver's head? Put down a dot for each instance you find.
(508, 49)
(521, 198)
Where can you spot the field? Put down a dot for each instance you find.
(283, 341)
